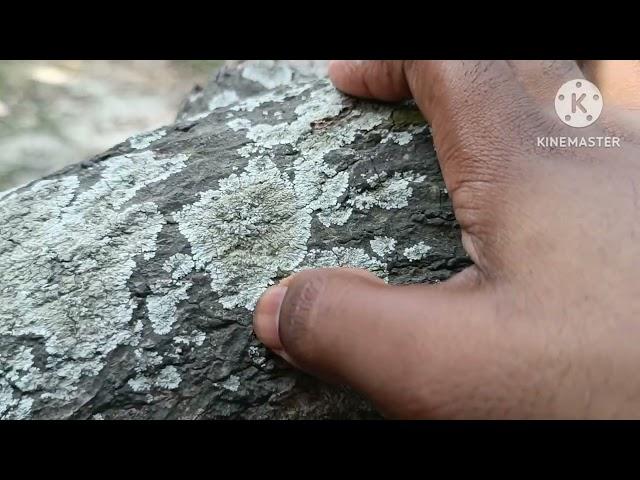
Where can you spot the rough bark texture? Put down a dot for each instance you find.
(127, 282)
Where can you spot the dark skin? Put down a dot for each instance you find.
(546, 323)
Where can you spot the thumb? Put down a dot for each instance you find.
(405, 347)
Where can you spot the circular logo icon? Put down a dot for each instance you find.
(578, 103)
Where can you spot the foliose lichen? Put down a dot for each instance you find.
(65, 265)
(417, 251)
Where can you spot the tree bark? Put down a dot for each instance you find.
(127, 282)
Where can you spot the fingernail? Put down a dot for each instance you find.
(266, 316)
(286, 281)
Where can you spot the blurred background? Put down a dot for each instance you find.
(57, 112)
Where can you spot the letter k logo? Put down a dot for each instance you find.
(578, 103)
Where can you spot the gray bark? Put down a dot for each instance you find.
(127, 282)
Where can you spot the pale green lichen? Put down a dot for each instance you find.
(343, 257)
(257, 359)
(401, 138)
(66, 262)
(140, 384)
(16, 371)
(125, 175)
(146, 360)
(162, 306)
(335, 215)
(144, 140)
(20, 371)
(219, 100)
(382, 245)
(178, 265)
(273, 96)
(239, 124)
(257, 224)
(12, 407)
(69, 259)
(383, 192)
(246, 232)
(168, 378)
(232, 383)
(417, 251)
(197, 338)
(388, 193)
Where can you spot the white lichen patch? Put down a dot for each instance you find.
(322, 104)
(163, 306)
(343, 257)
(66, 258)
(146, 360)
(417, 129)
(317, 184)
(417, 251)
(197, 338)
(20, 361)
(387, 193)
(257, 224)
(140, 384)
(268, 73)
(232, 383)
(219, 100)
(382, 245)
(335, 215)
(142, 141)
(178, 265)
(18, 368)
(401, 138)
(246, 232)
(168, 378)
(257, 359)
(16, 371)
(13, 407)
(274, 96)
(239, 124)
(125, 175)
(139, 326)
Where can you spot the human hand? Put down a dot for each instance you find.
(546, 323)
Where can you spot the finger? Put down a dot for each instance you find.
(413, 350)
(269, 307)
(479, 111)
(618, 80)
(377, 79)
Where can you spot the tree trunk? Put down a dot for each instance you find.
(127, 282)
